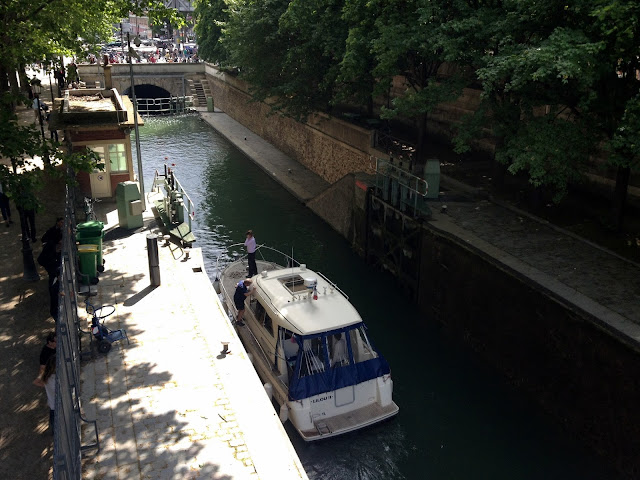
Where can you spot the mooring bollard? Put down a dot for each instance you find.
(154, 259)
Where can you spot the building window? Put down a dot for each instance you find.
(114, 154)
(118, 158)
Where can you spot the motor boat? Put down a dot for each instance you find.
(310, 347)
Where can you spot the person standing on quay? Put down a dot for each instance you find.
(4, 206)
(48, 381)
(250, 243)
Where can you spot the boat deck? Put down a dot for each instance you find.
(236, 272)
(328, 427)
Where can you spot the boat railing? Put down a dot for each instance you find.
(264, 354)
(333, 285)
(288, 258)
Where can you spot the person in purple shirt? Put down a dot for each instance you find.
(250, 243)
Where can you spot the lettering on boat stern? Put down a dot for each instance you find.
(322, 399)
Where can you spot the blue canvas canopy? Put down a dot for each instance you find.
(314, 374)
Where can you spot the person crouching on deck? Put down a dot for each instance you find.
(242, 292)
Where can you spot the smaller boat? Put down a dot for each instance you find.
(310, 346)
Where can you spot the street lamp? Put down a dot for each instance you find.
(135, 118)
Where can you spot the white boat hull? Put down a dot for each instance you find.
(319, 416)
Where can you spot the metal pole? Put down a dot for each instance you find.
(154, 259)
(51, 86)
(135, 123)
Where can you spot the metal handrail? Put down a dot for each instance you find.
(188, 205)
(164, 106)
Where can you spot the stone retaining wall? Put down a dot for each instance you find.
(581, 375)
(329, 147)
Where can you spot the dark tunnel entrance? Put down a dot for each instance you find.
(154, 100)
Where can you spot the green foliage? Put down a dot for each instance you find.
(211, 18)
(625, 144)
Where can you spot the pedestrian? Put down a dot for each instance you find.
(36, 107)
(54, 132)
(242, 292)
(48, 351)
(50, 257)
(54, 234)
(250, 243)
(26, 203)
(4, 206)
(54, 296)
(48, 381)
(29, 223)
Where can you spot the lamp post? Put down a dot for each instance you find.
(37, 90)
(135, 120)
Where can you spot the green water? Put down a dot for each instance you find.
(458, 419)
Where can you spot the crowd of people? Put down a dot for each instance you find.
(164, 52)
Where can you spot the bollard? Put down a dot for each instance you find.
(154, 259)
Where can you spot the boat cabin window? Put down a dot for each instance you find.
(313, 356)
(362, 349)
(262, 317)
(293, 283)
(338, 351)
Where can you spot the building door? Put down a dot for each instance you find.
(100, 180)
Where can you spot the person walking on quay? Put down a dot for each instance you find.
(36, 105)
(27, 203)
(4, 206)
(48, 381)
(54, 234)
(242, 292)
(48, 351)
(250, 243)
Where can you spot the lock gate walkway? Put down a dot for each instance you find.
(170, 404)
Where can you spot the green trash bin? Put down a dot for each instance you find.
(92, 233)
(87, 258)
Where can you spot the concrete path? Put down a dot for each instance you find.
(592, 278)
(297, 179)
(170, 405)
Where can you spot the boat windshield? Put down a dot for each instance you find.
(333, 360)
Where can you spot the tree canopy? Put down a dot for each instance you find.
(560, 80)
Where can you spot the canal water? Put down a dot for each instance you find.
(458, 419)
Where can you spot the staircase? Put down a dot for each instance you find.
(199, 93)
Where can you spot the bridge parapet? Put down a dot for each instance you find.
(172, 77)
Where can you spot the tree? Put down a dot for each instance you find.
(410, 43)
(211, 17)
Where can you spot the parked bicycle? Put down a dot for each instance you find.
(89, 212)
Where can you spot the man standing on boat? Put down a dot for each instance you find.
(242, 291)
(250, 243)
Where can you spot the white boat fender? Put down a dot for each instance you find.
(269, 389)
(284, 413)
(216, 286)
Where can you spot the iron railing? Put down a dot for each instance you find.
(67, 446)
(164, 106)
(400, 188)
(170, 183)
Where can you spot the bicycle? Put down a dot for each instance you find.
(89, 212)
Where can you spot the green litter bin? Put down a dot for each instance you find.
(87, 258)
(92, 233)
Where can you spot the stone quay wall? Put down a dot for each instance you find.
(329, 147)
(580, 374)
